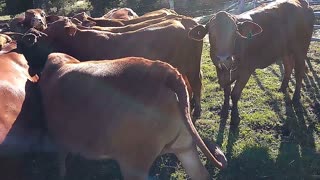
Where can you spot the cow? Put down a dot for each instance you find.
(121, 14)
(159, 12)
(135, 27)
(90, 21)
(169, 42)
(4, 39)
(255, 39)
(131, 110)
(32, 18)
(20, 114)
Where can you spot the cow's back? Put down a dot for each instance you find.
(286, 26)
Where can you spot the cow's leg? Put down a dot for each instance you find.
(196, 85)
(237, 90)
(191, 162)
(135, 164)
(62, 157)
(288, 64)
(226, 103)
(299, 70)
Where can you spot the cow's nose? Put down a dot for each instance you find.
(224, 58)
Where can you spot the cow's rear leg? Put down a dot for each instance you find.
(288, 65)
(299, 73)
(191, 163)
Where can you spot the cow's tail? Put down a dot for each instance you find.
(174, 81)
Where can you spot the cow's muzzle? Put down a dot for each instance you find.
(225, 63)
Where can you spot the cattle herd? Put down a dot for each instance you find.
(118, 86)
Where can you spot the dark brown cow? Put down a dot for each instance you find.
(121, 14)
(131, 110)
(169, 42)
(20, 114)
(242, 43)
(32, 18)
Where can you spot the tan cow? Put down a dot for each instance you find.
(130, 110)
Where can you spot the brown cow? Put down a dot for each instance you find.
(159, 12)
(137, 26)
(131, 110)
(242, 43)
(20, 114)
(90, 21)
(121, 14)
(169, 42)
(32, 18)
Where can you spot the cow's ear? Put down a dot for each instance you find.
(71, 30)
(197, 33)
(248, 29)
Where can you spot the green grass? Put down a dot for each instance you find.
(275, 139)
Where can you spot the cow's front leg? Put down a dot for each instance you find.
(236, 94)
(196, 86)
(226, 105)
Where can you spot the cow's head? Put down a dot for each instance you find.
(225, 31)
(37, 45)
(36, 18)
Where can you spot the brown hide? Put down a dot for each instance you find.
(149, 16)
(32, 18)
(126, 109)
(168, 42)
(137, 26)
(256, 39)
(121, 14)
(19, 114)
(86, 19)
